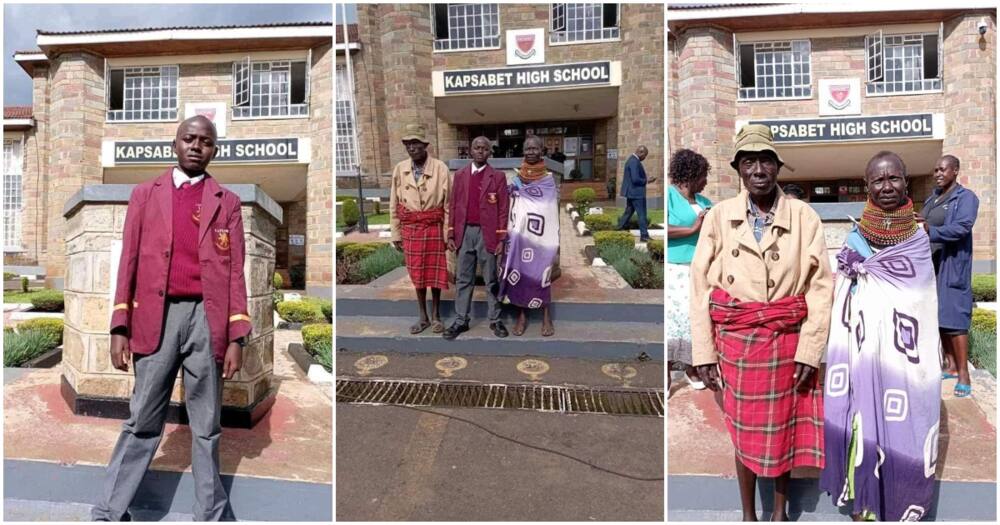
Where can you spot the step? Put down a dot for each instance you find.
(63, 511)
(560, 311)
(588, 340)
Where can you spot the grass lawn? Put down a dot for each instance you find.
(654, 216)
(19, 297)
(381, 218)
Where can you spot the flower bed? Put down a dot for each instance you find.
(362, 263)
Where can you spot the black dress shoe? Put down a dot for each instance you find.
(499, 329)
(456, 328)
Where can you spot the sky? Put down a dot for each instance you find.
(352, 13)
(22, 20)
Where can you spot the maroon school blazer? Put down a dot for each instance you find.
(494, 205)
(140, 296)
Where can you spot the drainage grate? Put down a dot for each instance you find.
(542, 398)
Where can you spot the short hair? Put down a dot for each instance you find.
(489, 143)
(685, 165)
(953, 160)
(885, 155)
(794, 189)
(530, 138)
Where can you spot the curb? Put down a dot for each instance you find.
(307, 363)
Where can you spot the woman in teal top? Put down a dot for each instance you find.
(686, 209)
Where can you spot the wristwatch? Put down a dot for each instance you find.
(241, 341)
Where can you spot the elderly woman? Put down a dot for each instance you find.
(883, 382)
(948, 216)
(760, 313)
(533, 239)
(686, 211)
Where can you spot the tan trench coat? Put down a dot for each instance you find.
(433, 191)
(791, 259)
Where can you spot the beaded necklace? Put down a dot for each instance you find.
(887, 228)
(532, 172)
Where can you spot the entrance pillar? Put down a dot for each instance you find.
(95, 220)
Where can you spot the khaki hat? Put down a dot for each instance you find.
(753, 138)
(415, 132)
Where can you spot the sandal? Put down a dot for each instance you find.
(437, 326)
(963, 390)
(696, 384)
(946, 375)
(420, 326)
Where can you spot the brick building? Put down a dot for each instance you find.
(106, 105)
(838, 83)
(587, 78)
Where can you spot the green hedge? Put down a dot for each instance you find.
(983, 349)
(323, 352)
(984, 287)
(603, 240)
(51, 326)
(360, 250)
(8, 276)
(583, 197)
(655, 247)
(380, 262)
(350, 212)
(639, 270)
(327, 309)
(300, 311)
(278, 281)
(314, 334)
(48, 301)
(984, 320)
(600, 222)
(21, 347)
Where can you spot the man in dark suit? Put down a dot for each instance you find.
(634, 190)
(477, 229)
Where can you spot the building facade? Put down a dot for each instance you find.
(838, 84)
(106, 105)
(586, 78)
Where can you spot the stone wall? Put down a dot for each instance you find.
(319, 181)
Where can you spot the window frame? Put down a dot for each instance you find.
(552, 31)
(348, 140)
(434, 44)
(249, 79)
(124, 67)
(738, 67)
(15, 215)
(882, 35)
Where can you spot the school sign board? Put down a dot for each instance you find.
(851, 129)
(230, 151)
(524, 78)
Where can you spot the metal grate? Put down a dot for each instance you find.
(542, 398)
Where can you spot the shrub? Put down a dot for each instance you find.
(637, 268)
(350, 212)
(327, 309)
(300, 311)
(600, 222)
(984, 320)
(376, 207)
(323, 352)
(19, 348)
(360, 250)
(655, 247)
(276, 297)
(984, 287)
(347, 271)
(613, 238)
(278, 281)
(8, 276)
(48, 301)
(380, 262)
(583, 197)
(51, 326)
(24, 284)
(983, 349)
(615, 252)
(297, 274)
(314, 334)
(342, 247)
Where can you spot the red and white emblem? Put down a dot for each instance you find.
(208, 113)
(840, 96)
(525, 46)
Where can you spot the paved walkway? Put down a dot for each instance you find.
(570, 243)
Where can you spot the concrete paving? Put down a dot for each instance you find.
(395, 463)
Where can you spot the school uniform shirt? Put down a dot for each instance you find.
(489, 200)
(790, 259)
(431, 191)
(143, 270)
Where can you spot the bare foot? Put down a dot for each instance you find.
(750, 517)
(521, 325)
(547, 329)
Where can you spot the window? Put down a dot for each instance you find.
(12, 192)
(347, 158)
(775, 70)
(584, 22)
(270, 89)
(142, 93)
(903, 63)
(466, 26)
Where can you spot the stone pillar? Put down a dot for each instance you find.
(76, 127)
(705, 112)
(640, 106)
(970, 120)
(319, 179)
(95, 219)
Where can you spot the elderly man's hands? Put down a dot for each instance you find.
(709, 375)
(803, 377)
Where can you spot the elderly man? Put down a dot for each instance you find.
(477, 232)
(760, 312)
(418, 213)
(634, 190)
(180, 304)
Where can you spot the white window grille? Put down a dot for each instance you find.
(12, 194)
(584, 22)
(142, 93)
(466, 26)
(769, 70)
(347, 157)
(276, 89)
(903, 63)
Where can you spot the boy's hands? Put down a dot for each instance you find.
(233, 361)
(120, 354)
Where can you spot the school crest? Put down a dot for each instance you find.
(196, 214)
(840, 96)
(222, 239)
(491, 197)
(525, 46)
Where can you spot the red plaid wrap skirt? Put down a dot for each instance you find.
(774, 427)
(423, 247)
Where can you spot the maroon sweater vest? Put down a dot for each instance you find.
(185, 271)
